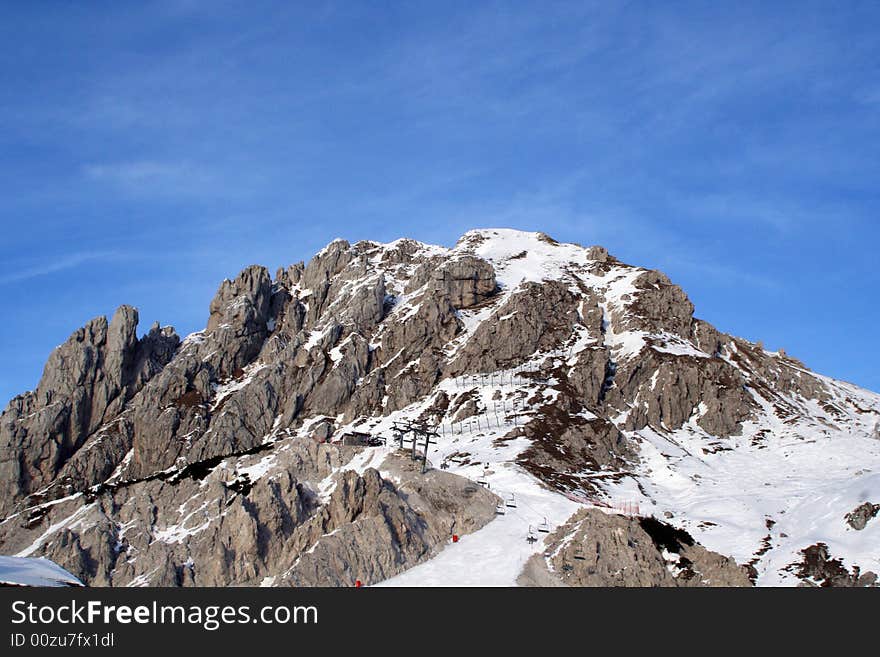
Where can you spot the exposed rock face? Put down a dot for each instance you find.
(666, 390)
(466, 280)
(408, 360)
(819, 568)
(85, 386)
(536, 317)
(377, 531)
(237, 325)
(659, 306)
(600, 549)
(222, 528)
(858, 518)
(559, 361)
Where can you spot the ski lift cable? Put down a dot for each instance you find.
(541, 518)
(544, 526)
(531, 523)
(540, 514)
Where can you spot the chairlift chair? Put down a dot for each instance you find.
(500, 510)
(544, 527)
(511, 501)
(579, 554)
(531, 537)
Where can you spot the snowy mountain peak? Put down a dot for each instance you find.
(563, 390)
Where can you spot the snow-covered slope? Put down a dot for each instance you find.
(21, 571)
(782, 484)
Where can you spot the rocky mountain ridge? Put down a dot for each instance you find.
(553, 374)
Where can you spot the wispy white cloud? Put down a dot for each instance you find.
(55, 265)
(721, 273)
(152, 177)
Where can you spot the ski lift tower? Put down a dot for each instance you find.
(414, 433)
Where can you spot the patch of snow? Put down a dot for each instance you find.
(23, 571)
(73, 521)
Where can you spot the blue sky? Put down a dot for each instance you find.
(150, 149)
